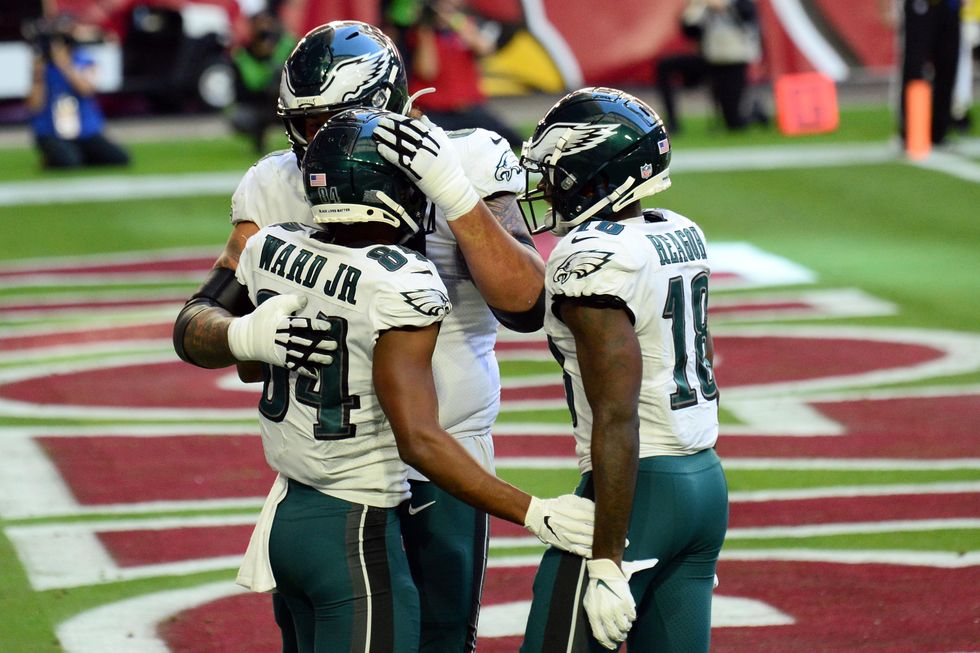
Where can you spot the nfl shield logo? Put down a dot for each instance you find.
(646, 170)
(318, 179)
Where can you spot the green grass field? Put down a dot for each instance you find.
(903, 233)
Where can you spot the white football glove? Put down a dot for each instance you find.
(565, 522)
(608, 602)
(424, 152)
(271, 334)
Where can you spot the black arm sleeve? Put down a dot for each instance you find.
(524, 322)
(220, 289)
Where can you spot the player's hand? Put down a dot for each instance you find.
(424, 152)
(565, 522)
(272, 334)
(608, 602)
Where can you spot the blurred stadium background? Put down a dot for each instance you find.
(845, 307)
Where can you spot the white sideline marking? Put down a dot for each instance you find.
(951, 164)
(848, 528)
(762, 157)
(71, 555)
(847, 491)
(935, 559)
(29, 483)
(131, 625)
(819, 304)
(119, 187)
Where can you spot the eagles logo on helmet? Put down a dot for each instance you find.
(597, 151)
(337, 66)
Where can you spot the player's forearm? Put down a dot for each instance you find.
(447, 464)
(205, 338)
(612, 370)
(615, 454)
(509, 274)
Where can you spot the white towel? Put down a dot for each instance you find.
(255, 572)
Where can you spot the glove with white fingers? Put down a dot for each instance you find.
(423, 151)
(608, 603)
(272, 334)
(565, 522)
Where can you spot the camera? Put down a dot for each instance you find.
(42, 32)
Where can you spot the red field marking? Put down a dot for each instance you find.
(148, 547)
(149, 385)
(895, 507)
(838, 510)
(521, 345)
(93, 305)
(86, 336)
(837, 609)
(915, 427)
(846, 608)
(534, 392)
(110, 470)
(756, 360)
(152, 265)
(241, 623)
(202, 467)
(745, 360)
(536, 445)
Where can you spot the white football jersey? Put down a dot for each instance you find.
(331, 433)
(465, 369)
(657, 270)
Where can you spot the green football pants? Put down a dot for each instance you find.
(680, 516)
(341, 571)
(446, 544)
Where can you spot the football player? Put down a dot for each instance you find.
(329, 537)
(483, 253)
(627, 319)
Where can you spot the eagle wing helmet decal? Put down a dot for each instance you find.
(347, 78)
(571, 138)
(581, 264)
(428, 301)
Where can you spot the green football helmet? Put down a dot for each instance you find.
(348, 182)
(340, 65)
(597, 150)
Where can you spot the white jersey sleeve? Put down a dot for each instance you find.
(416, 296)
(601, 268)
(488, 162)
(270, 192)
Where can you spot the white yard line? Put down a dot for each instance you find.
(763, 157)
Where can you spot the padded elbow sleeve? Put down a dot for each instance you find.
(527, 321)
(219, 290)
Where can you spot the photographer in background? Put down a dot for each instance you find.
(65, 117)
(444, 47)
(258, 66)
